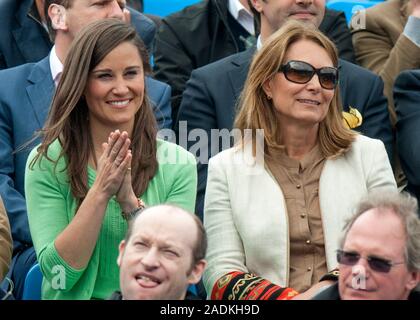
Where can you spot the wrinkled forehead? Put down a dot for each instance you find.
(166, 227)
(377, 228)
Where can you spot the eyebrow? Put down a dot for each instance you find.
(110, 70)
(170, 246)
(162, 246)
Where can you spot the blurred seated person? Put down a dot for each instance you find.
(197, 35)
(379, 255)
(99, 163)
(389, 42)
(407, 106)
(276, 202)
(161, 255)
(24, 37)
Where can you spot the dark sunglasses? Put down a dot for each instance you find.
(377, 264)
(302, 72)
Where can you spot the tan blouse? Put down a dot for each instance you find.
(299, 181)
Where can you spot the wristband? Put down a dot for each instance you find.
(131, 214)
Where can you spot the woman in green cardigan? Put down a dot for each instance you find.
(98, 164)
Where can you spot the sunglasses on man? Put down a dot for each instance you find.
(350, 258)
(302, 72)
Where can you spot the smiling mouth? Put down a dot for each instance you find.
(302, 14)
(120, 103)
(309, 101)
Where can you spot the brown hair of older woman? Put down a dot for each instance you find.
(68, 119)
(257, 112)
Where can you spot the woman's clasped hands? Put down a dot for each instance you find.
(113, 175)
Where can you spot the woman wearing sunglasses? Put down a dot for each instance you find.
(274, 220)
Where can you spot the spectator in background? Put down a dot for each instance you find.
(209, 100)
(407, 106)
(333, 24)
(197, 35)
(389, 42)
(161, 255)
(379, 255)
(275, 203)
(6, 244)
(25, 96)
(99, 154)
(24, 35)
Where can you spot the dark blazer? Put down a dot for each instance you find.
(407, 106)
(23, 39)
(25, 96)
(209, 103)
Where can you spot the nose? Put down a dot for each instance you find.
(150, 259)
(304, 2)
(361, 268)
(120, 87)
(115, 11)
(314, 84)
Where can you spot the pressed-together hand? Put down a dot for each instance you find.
(125, 195)
(113, 164)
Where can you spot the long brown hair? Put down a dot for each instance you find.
(68, 116)
(257, 112)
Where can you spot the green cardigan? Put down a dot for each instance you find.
(51, 207)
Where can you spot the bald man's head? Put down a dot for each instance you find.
(162, 254)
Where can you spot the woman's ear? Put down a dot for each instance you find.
(57, 14)
(267, 87)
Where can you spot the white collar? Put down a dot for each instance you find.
(235, 8)
(259, 43)
(55, 65)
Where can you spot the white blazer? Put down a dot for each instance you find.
(246, 219)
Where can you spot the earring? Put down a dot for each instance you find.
(268, 97)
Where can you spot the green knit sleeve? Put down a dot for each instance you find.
(181, 166)
(49, 206)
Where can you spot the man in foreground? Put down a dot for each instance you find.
(162, 255)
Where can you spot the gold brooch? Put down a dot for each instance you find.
(353, 118)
